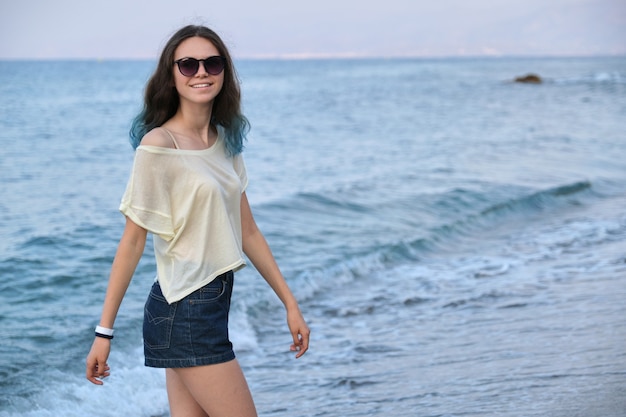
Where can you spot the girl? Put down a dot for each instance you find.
(187, 188)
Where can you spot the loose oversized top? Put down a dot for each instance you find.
(190, 201)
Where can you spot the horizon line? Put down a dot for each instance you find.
(334, 56)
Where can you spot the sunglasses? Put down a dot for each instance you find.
(189, 66)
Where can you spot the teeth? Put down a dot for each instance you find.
(201, 85)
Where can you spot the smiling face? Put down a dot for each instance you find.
(202, 87)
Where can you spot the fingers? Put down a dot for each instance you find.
(91, 376)
(300, 341)
(97, 367)
(299, 332)
(97, 371)
(104, 370)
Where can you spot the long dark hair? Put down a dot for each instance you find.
(161, 100)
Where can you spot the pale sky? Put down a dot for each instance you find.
(110, 29)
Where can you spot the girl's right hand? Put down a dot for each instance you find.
(97, 367)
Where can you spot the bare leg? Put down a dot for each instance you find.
(220, 390)
(182, 404)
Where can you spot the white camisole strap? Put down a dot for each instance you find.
(172, 137)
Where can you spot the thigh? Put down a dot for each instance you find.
(182, 403)
(221, 390)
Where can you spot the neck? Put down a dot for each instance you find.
(195, 114)
(195, 121)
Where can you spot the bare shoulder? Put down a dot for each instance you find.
(157, 137)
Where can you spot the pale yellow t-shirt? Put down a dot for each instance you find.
(190, 201)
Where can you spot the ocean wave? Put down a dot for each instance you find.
(538, 200)
(72, 396)
(596, 78)
(439, 239)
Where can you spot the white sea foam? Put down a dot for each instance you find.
(131, 390)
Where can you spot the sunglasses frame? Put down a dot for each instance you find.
(204, 61)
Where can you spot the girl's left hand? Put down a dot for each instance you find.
(299, 331)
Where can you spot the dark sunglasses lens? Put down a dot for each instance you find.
(214, 65)
(188, 67)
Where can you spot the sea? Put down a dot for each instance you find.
(456, 240)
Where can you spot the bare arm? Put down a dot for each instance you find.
(128, 254)
(258, 251)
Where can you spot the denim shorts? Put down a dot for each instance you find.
(189, 332)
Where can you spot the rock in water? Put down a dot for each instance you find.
(529, 78)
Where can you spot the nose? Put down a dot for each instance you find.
(202, 72)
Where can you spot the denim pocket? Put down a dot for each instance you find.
(209, 293)
(208, 317)
(158, 320)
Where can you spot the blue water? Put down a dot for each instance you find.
(457, 241)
